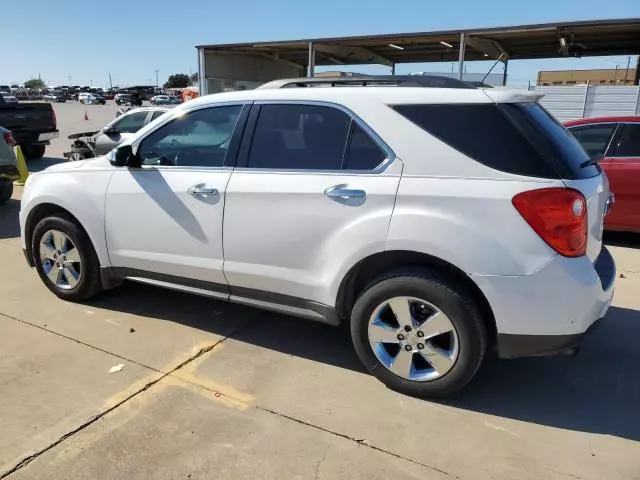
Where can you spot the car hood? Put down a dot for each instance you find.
(98, 163)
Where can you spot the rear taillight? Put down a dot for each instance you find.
(55, 120)
(8, 137)
(558, 215)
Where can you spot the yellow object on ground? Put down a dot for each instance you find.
(22, 167)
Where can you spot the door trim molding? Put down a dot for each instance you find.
(277, 302)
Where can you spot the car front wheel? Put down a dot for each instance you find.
(6, 190)
(65, 259)
(418, 334)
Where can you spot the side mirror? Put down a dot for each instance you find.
(123, 156)
(110, 131)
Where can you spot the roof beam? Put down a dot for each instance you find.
(350, 53)
(490, 47)
(276, 57)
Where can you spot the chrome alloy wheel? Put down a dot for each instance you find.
(413, 338)
(60, 259)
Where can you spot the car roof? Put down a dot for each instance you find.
(387, 94)
(587, 121)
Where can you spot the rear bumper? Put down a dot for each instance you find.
(9, 172)
(516, 346)
(551, 310)
(35, 138)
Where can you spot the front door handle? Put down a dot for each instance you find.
(344, 194)
(202, 190)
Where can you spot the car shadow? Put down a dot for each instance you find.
(622, 239)
(597, 392)
(9, 223)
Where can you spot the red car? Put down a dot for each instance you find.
(617, 139)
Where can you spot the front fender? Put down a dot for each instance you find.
(81, 193)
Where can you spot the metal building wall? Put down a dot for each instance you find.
(568, 103)
(225, 72)
(565, 103)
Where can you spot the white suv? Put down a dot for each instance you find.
(442, 224)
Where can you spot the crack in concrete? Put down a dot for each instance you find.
(80, 342)
(356, 441)
(320, 462)
(27, 460)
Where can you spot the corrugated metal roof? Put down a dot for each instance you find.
(586, 38)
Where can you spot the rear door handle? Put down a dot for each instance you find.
(345, 195)
(202, 190)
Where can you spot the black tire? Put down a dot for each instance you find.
(6, 190)
(33, 152)
(77, 154)
(89, 283)
(440, 292)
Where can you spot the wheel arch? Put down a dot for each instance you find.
(41, 211)
(371, 267)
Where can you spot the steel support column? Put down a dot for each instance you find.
(312, 60)
(393, 68)
(504, 74)
(461, 57)
(202, 77)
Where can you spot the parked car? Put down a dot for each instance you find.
(121, 98)
(617, 141)
(57, 96)
(8, 165)
(365, 205)
(8, 98)
(161, 100)
(91, 98)
(33, 125)
(92, 144)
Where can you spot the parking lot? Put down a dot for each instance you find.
(200, 389)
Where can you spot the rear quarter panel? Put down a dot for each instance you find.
(470, 223)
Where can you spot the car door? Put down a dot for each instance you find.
(624, 176)
(164, 219)
(313, 191)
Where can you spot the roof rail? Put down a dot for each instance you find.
(429, 81)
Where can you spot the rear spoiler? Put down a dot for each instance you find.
(512, 96)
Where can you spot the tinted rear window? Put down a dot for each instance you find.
(522, 139)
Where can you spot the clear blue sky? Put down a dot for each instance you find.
(87, 40)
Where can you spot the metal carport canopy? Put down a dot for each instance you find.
(586, 38)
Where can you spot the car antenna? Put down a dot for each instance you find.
(492, 67)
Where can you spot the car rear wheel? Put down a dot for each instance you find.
(33, 152)
(6, 190)
(417, 334)
(65, 259)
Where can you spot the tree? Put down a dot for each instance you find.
(194, 78)
(34, 83)
(177, 80)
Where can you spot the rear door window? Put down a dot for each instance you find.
(363, 153)
(630, 142)
(308, 137)
(594, 138)
(522, 139)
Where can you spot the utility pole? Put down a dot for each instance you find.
(156, 77)
(627, 70)
(110, 82)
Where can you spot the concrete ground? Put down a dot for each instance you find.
(210, 390)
